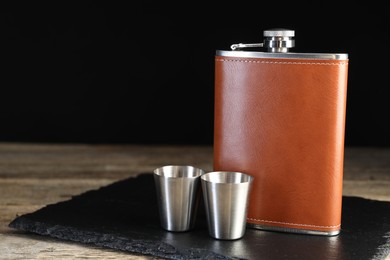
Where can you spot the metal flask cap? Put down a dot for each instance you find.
(275, 40)
(278, 40)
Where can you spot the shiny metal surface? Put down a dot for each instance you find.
(278, 40)
(239, 46)
(226, 196)
(275, 40)
(294, 230)
(288, 55)
(178, 194)
(279, 32)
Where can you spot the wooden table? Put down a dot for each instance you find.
(34, 175)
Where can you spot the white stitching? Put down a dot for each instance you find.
(284, 62)
(302, 225)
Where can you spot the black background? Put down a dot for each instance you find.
(143, 73)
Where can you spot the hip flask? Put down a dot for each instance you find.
(280, 117)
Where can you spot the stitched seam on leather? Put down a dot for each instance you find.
(284, 62)
(295, 224)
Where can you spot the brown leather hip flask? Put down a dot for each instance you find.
(280, 117)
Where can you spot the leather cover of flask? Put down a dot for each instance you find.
(282, 121)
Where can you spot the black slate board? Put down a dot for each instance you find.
(124, 216)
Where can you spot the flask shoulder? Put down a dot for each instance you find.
(287, 55)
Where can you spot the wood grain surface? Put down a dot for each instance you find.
(34, 175)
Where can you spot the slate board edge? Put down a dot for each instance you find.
(112, 241)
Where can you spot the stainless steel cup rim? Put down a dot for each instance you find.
(227, 177)
(179, 171)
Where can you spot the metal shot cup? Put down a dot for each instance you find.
(226, 197)
(178, 194)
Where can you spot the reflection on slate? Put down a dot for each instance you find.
(124, 216)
